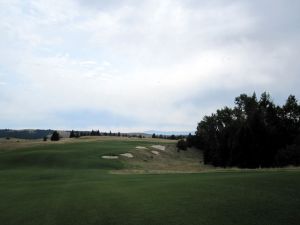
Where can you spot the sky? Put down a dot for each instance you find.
(135, 65)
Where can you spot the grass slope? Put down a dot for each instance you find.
(69, 183)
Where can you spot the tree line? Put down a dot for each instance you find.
(76, 134)
(254, 133)
(170, 137)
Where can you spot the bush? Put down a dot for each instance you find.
(182, 145)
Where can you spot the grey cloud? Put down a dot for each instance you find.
(170, 61)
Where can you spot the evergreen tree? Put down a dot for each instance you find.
(252, 134)
(72, 134)
(55, 136)
(189, 140)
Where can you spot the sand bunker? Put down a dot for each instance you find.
(155, 152)
(128, 155)
(140, 147)
(159, 147)
(110, 157)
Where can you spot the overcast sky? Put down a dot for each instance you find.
(141, 65)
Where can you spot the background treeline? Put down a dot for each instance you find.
(254, 133)
(170, 137)
(74, 134)
(47, 134)
(93, 133)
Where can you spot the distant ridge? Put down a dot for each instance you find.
(169, 132)
(25, 133)
(40, 133)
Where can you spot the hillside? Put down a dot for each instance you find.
(132, 181)
(145, 155)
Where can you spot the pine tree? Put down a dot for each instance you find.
(55, 136)
(72, 134)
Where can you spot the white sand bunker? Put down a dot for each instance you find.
(159, 147)
(155, 152)
(128, 155)
(140, 147)
(110, 157)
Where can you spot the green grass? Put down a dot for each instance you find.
(70, 184)
(84, 155)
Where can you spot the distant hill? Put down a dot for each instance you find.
(139, 134)
(168, 133)
(25, 134)
(39, 133)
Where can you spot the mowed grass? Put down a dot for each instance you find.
(70, 184)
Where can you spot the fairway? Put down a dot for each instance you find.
(69, 183)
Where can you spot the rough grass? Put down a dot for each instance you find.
(169, 160)
(69, 183)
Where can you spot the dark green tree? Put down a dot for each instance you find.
(72, 134)
(55, 136)
(189, 140)
(255, 133)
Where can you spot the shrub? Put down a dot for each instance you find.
(182, 145)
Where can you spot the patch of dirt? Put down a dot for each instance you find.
(159, 147)
(155, 152)
(140, 147)
(128, 155)
(110, 157)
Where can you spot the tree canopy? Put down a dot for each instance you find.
(254, 133)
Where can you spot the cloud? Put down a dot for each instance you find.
(141, 65)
